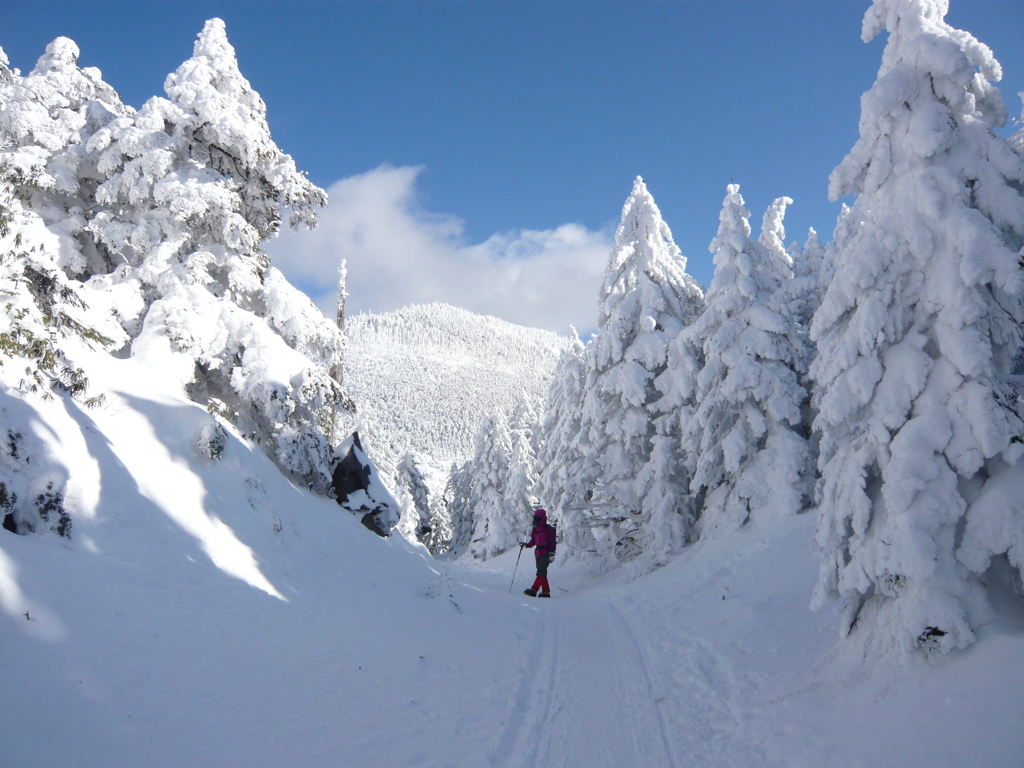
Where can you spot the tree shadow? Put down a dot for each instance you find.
(164, 477)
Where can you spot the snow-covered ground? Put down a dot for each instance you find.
(209, 613)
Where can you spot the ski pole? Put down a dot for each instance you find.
(516, 569)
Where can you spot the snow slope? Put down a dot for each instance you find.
(209, 613)
(427, 376)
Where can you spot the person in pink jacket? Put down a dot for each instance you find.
(543, 539)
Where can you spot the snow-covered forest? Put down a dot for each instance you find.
(781, 498)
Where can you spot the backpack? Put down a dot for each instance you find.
(552, 537)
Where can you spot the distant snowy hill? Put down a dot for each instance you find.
(426, 377)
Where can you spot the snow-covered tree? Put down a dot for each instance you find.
(773, 236)
(337, 369)
(1017, 140)
(812, 253)
(796, 295)
(743, 442)
(497, 526)
(414, 496)
(458, 509)
(525, 419)
(522, 478)
(342, 295)
(43, 309)
(562, 448)
(6, 75)
(917, 336)
(191, 184)
(645, 301)
(46, 119)
(45, 325)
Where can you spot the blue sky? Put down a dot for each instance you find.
(494, 119)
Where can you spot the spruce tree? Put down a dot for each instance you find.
(458, 507)
(522, 478)
(562, 448)
(47, 119)
(773, 236)
(191, 185)
(743, 441)
(917, 335)
(646, 300)
(414, 497)
(495, 528)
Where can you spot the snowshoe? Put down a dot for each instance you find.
(530, 592)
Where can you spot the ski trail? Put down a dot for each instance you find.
(648, 688)
(540, 733)
(605, 684)
(585, 697)
(539, 656)
(702, 702)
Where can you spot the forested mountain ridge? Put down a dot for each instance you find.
(427, 380)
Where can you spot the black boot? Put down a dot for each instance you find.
(530, 592)
(544, 594)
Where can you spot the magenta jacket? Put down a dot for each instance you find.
(543, 537)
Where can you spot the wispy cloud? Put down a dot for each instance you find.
(400, 254)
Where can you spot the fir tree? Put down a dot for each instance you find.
(562, 448)
(522, 478)
(646, 300)
(458, 508)
(495, 528)
(192, 184)
(414, 496)
(773, 236)
(337, 369)
(917, 334)
(46, 120)
(742, 442)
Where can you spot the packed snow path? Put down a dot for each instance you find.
(572, 689)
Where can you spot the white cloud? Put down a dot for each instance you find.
(399, 254)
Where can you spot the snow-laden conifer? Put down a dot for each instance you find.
(414, 497)
(48, 321)
(46, 119)
(917, 335)
(495, 527)
(773, 236)
(522, 478)
(342, 295)
(562, 448)
(1017, 140)
(458, 509)
(813, 252)
(742, 442)
(191, 184)
(805, 287)
(796, 294)
(646, 300)
(44, 310)
(337, 369)
(6, 75)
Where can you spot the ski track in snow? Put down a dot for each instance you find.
(587, 674)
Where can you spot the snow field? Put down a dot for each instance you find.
(146, 646)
